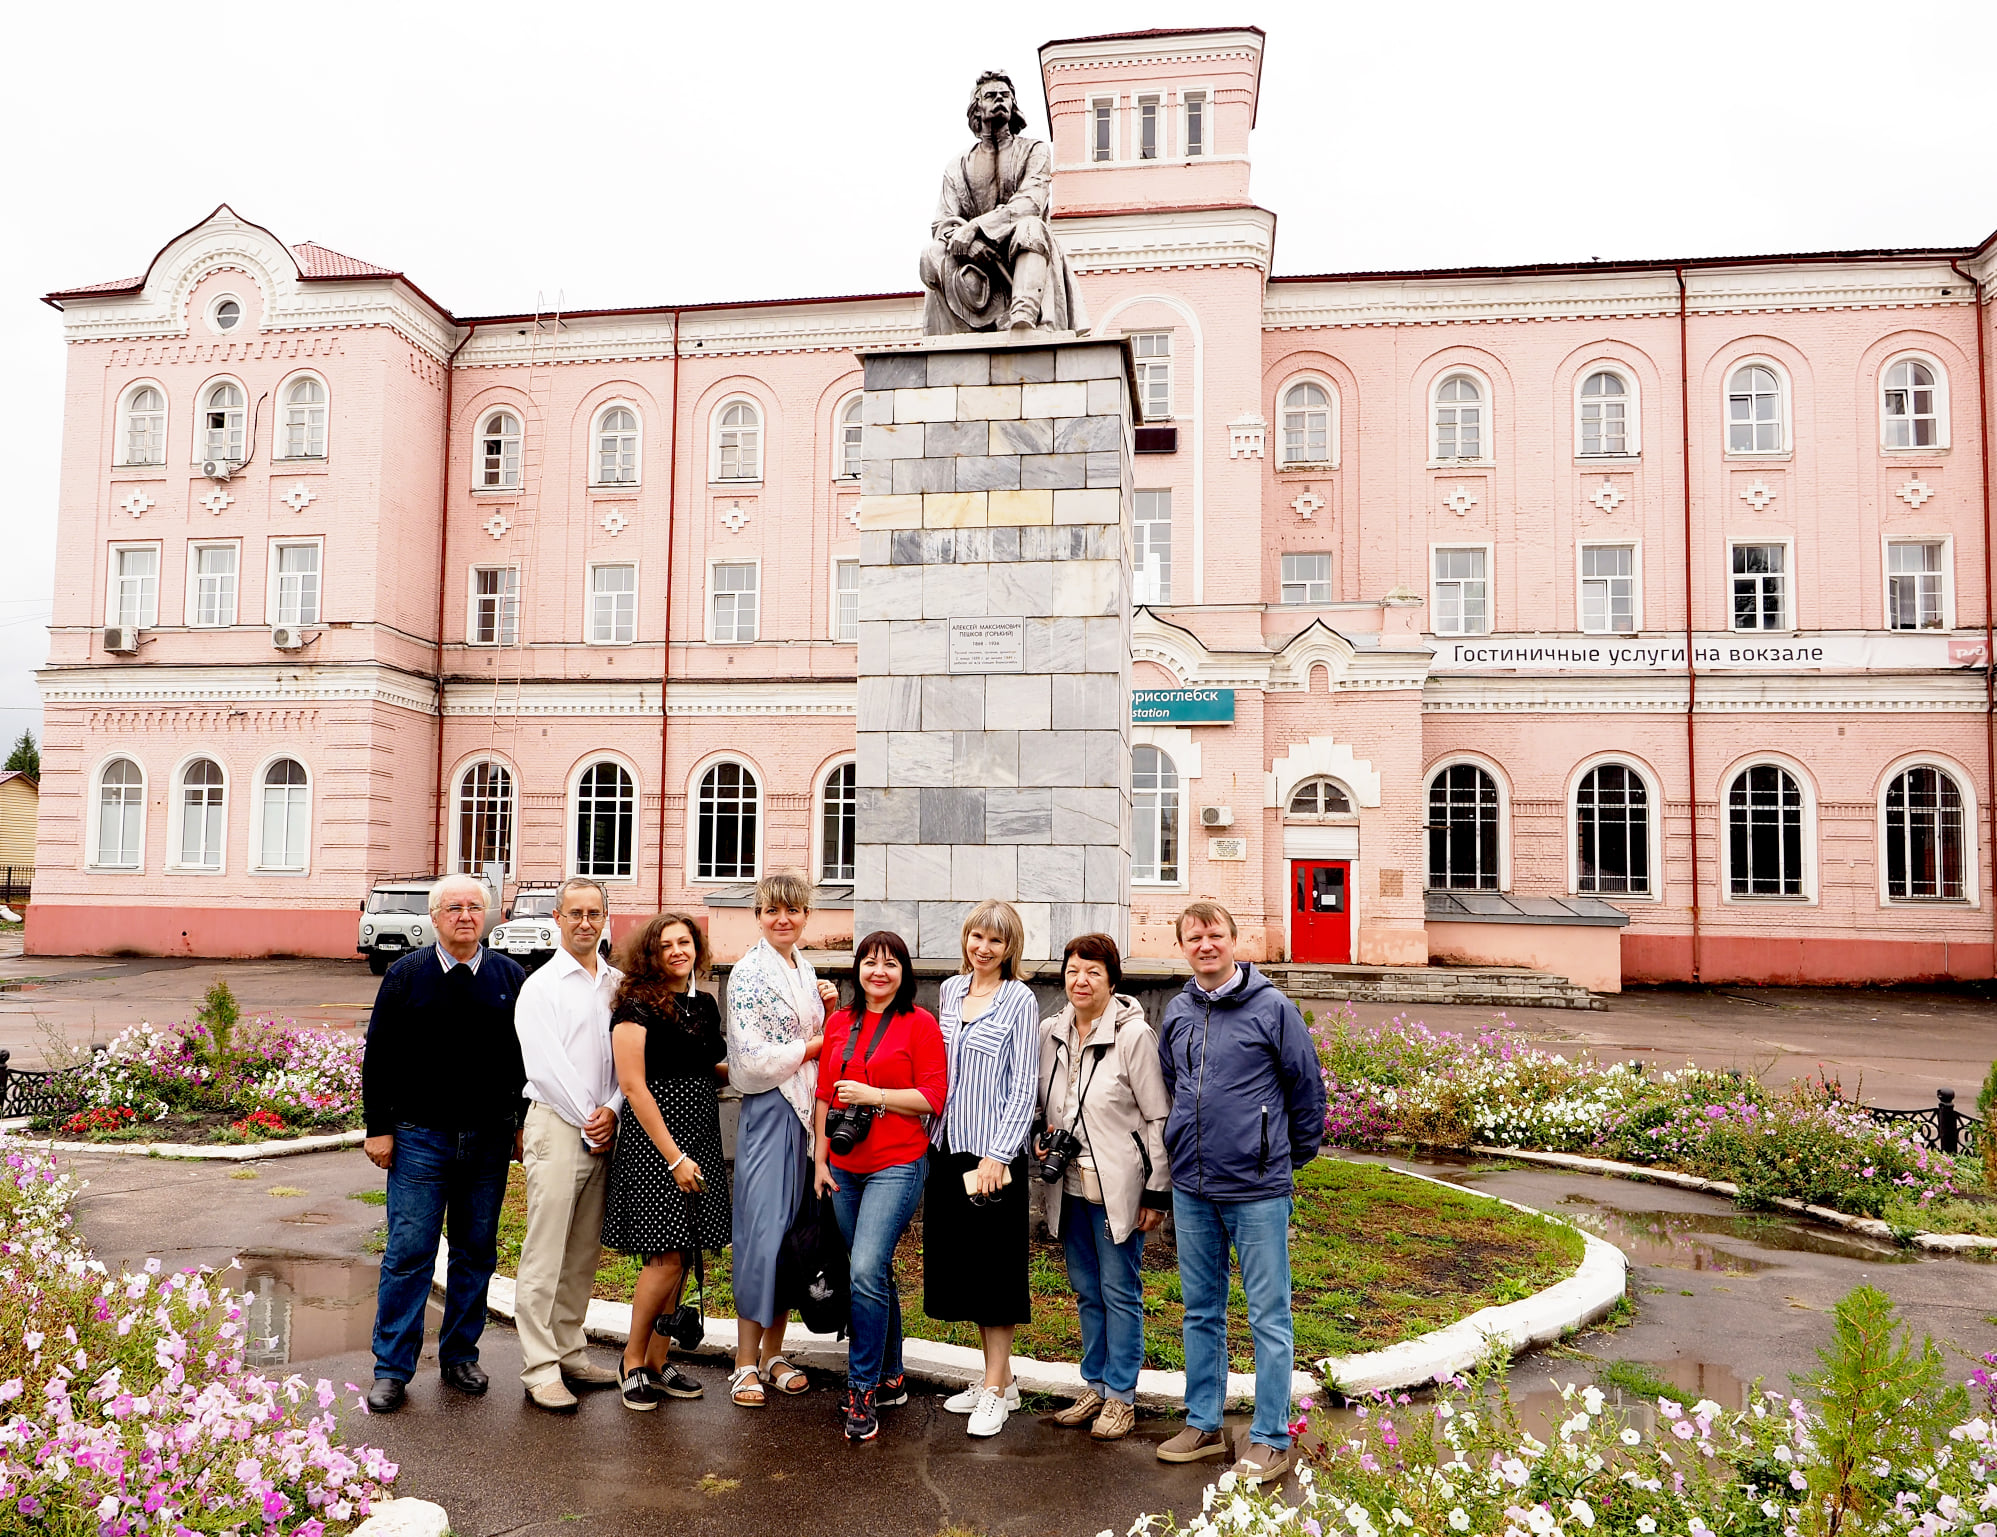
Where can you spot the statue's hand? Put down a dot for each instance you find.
(962, 240)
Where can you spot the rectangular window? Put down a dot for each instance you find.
(613, 605)
(1154, 374)
(495, 606)
(214, 585)
(1102, 145)
(734, 611)
(297, 584)
(1306, 579)
(846, 600)
(1462, 593)
(1914, 586)
(135, 586)
(1760, 586)
(1147, 128)
(1151, 553)
(1608, 589)
(1196, 123)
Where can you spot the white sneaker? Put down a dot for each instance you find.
(989, 1418)
(967, 1401)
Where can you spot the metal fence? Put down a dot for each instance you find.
(16, 881)
(37, 1091)
(1942, 1126)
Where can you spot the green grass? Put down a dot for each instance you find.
(1375, 1258)
(370, 1197)
(1640, 1381)
(1907, 1218)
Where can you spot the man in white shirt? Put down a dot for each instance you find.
(563, 1018)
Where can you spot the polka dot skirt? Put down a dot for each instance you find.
(646, 1212)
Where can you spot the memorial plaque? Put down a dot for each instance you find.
(987, 645)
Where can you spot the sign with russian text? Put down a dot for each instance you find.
(1823, 651)
(988, 645)
(1182, 706)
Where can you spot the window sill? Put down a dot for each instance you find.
(158, 467)
(1631, 634)
(615, 488)
(1652, 897)
(1734, 900)
(300, 460)
(1462, 464)
(116, 869)
(1597, 461)
(1307, 467)
(734, 485)
(1759, 456)
(610, 645)
(1933, 450)
(1960, 902)
(289, 875)
(513, 490)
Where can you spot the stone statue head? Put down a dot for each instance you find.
(988, 101)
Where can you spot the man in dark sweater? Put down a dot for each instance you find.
(441, 1086)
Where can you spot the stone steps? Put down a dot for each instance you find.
(1499, 986)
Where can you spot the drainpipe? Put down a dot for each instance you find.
(1691, 667)
(1989, 656)
(443, 571)
(666, 649)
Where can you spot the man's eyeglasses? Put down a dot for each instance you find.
(575, 917)
(463, 909)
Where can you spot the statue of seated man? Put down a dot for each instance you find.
(993, 263)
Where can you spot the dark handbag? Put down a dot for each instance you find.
(812, 1274)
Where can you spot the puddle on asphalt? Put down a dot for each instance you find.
(304, 1308)
(1679, 1240)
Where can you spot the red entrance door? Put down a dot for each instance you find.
(1320, 916)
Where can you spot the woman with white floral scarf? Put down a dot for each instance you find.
(776, 1025)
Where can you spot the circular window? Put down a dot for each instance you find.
(227, 314)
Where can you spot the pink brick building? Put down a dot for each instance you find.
(349, 584)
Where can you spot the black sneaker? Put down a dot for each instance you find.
(861, 1423)
(892, 1393)
(674, 1383)
(635, 1388)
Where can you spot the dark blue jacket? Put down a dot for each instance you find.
(1247, 1094)
(441, 1049)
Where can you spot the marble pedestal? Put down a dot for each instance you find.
(994, 654)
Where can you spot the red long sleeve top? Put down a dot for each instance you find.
(910, 1056)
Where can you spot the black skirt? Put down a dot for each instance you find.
(645, 1211)
(974, 1257)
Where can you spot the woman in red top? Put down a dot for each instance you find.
(881, 1075)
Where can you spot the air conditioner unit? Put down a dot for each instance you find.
(288, 637)
(121, 639)
(1216, 816)
(217, 469)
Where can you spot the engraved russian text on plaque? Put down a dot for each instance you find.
(987, 645)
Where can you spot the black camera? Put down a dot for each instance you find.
(846, 1126)
(684, 1326)
(1058, 1149)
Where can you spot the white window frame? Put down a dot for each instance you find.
(1097, 106)
(238, 436)
(591, 635)
(713, 566)
(459, 774)
(1179, 878)
(572, 851)
(122, 448)
(518, 438)
(819, 803)
(1653, 826)
(597, 433)
(283, 453)
(717, 428)
(1946, 542)
(212, 312)
(259, 860)
(1723, 823)
(1787, 543)
(1490, 583)
(1486, 421)
(1504, 789)
(274, 582)
(93, 852)
(474, 599)
(839, 567)
(192, 613)
(700, 773)
(849, 427)
(1942, 413)
(1284, 581)
(176, 830)
(1320, 818)
(114, 583)
(1160, 120)
(1965, 785)
(1332, 413)
(1632, 412)
(1581, 580)
(1149, 366)
(1204, 96)
(1142, 591)
(1785, 407)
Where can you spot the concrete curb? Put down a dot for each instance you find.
(243, 1153)
(1540, 1319)
(1871, 1227)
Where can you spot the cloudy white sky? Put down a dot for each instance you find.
(619, 154)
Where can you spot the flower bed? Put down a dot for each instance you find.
(124, 1406)
(1401, 1081)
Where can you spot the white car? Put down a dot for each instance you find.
(528, 934)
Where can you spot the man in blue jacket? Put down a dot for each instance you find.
(1247, 1112)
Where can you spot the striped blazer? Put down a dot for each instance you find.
(993, 1071)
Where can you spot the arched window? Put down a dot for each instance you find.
(1612, 832)
(1320, 798)
(1765, 833)
(726, 828)
(498, 451)
(1463, 829)
(1154, 818)
(485, 818)
(121, 812)
(852, 435)
(1754, 411)
(606, 817)
(222, 422)
(1459, 418)
(1925, 846)
(304, 419)
(284, 836)
(1307, 424)
(738, 442)
(617, 447)
(839, 806)
(1910, 409)
(145, 426)
(1604, 414)
(202, 815)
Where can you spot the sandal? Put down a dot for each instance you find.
(745, 1388)
(785, 1378)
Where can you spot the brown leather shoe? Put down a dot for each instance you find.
(1081, 1411)
(587, 1374)
(1262, 1465)
(553, 1397)
(1190, 1445)
(1114, 1423)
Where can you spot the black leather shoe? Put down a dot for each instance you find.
(466, 1377)
(386, 1396)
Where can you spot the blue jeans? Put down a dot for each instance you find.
(1260, 1234)
(1104, 1275)
(874, 1211)
(440, 1182)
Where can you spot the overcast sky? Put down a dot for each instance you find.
(617, 154)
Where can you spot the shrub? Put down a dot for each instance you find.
(218, 1015)
(1986, 1107)
(302, 1076)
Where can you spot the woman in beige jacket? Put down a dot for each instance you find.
(1100, 1085)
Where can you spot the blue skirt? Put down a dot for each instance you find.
(772, 1172)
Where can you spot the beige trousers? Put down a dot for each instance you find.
(566, 1185)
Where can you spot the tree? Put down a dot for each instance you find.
(26, 756)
